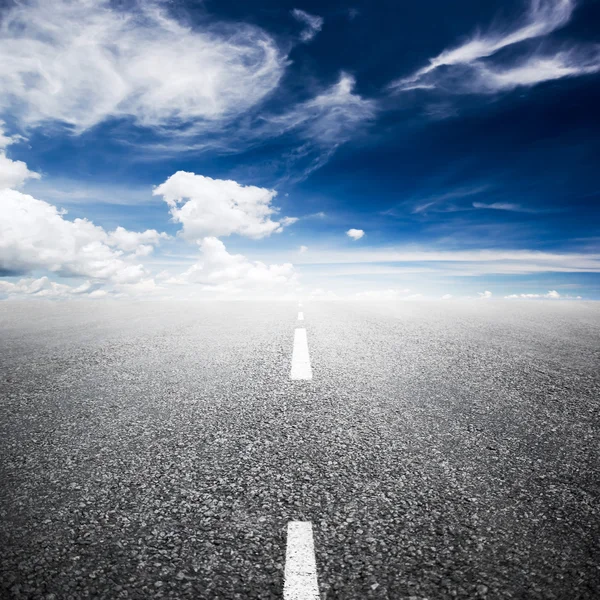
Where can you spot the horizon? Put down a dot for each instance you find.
(283, 150)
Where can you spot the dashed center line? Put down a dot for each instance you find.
(301, 368)
(300, 316)
(300, 565)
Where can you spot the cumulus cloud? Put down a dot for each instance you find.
(219, 271)
(303, 249)
(209, 207)
(13, 173)
(140, 243)
(355, 234)
(446, 296)
(80, 62)
(36, 235)
(484, 295)
(469, 67)
(312, 24)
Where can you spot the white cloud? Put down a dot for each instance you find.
(552, 294)
(439, 202)
(209, 207)
(543, 17)
(81, 62)
(485, 295)
(499, 206)
(219, 271)
(355, 234)
(139, 243)
(312, 23)
(468, 69)
(43, 288)
(13, 173)
(453, 262)
(329, 118)
(446, 296)
(7, 140)
(35, 235)
(536, 69)
(303, 249)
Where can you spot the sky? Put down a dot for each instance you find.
(217, 149)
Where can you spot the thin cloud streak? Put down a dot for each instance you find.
(510, 207)
(468, 68)
(329, 119)
(466, 261)
(537, 69)
(312, 23)
(428, 202)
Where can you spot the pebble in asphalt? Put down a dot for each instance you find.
(440, 451)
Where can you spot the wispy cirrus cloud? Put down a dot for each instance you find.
(186, 86)
(534, 69)
(510, 207)
(454, 262)
(312, 24)
(330, 118)
(322, 124)
(470, 67)
(439, 202)
(82, 62)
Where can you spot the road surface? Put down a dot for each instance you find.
(161, 450)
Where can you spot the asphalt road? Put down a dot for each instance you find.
(159, 450)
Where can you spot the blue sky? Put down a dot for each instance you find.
(282, 149)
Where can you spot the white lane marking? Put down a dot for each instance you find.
(300, 358)
(300, 565)
(300, 316)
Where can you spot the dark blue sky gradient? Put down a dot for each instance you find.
(536, 147)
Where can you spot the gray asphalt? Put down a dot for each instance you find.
(158, 450)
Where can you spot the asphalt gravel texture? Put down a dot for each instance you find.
(158, 450)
